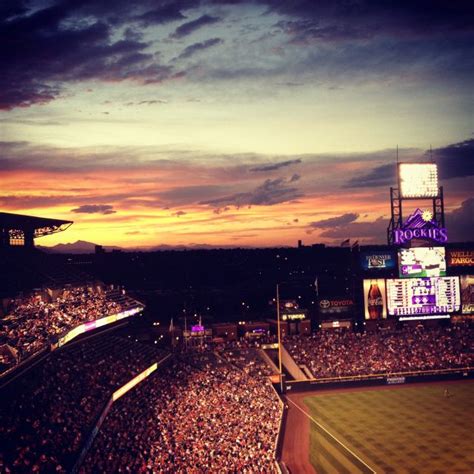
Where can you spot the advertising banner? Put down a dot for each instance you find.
(90, 325)
(371, 260)
(467, 294)
(419, 262)
(335, 306)
(461, 258)
(416, 296)
(375, 306)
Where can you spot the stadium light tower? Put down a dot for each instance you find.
(416, 181)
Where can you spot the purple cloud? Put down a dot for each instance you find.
(42, 49)
(196, 47)
(104, 209)
(335, 221)
(271, 192)
(276, 166)
(191, 26)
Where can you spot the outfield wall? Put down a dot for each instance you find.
(379, 379)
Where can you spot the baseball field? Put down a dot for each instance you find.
(408, 429)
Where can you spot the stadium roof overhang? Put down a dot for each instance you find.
(28, 227)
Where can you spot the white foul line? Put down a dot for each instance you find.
(331, 435)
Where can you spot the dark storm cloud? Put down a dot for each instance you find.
(196, 47)
(339, 20)
(460, 222)
(380, 176)
(335, 221)
(454, 161)
(104, 209)
(190, 194)
(42, 49)
(191, 26)
(45, 45)
(271, 192)
(161, 15)
(373, 231)
(276, 166)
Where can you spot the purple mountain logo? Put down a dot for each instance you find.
(420, 225)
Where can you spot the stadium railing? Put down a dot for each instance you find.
(108, 405)
(389, 378)
(279, 465)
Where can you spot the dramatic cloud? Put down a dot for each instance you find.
(271, 192)
(384, 175)
(456, 160)
(161, 15)
(335, 221)
(191, 26)
(367, 232)
(47, 47)
(460, 222)
(182, 195)
(276, 166)
(196, 47)
(94, 209)
(339, 20)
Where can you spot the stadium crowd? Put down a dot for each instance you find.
(31, 323)
(46, 416)
(200, 414)
(342, 352)
(250, 360)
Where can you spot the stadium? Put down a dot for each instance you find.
(376, 378)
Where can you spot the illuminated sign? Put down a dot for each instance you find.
(377, 261)
(90, 325)
(418, 180)
(294, 316)
(420, 225)
(421, 262)
(461, 258)
(375, 306)
(416, 296)
(197, 328)
(335, 306)
(467, 294)
(288, 305)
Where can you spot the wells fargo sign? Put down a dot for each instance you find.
(461, 258)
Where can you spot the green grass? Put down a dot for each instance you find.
(413, 429)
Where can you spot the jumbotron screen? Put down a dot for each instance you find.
(419, 262)
(416, 296)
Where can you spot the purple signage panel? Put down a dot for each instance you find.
(420, 225)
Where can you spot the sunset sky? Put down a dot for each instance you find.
(232, 123)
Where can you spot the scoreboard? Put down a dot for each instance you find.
(416, 296)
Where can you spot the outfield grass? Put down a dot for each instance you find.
(413, 429)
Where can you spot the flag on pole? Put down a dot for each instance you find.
(346, 243)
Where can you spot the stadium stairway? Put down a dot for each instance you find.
(291, 366)
(268, 360)
(306, 370)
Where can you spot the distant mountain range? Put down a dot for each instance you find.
(80, 246)
(84, 247)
